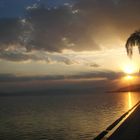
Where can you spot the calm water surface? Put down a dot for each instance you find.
(61, 117)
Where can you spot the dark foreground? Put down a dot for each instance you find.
(130, 129)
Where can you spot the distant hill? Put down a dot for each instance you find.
(132, 88)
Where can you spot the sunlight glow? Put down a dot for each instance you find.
(128, 80)
(130, 68)
(129, 77)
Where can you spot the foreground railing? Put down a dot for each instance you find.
(103, 134)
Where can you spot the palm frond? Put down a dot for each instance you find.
(133, 40)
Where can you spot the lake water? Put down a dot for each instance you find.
(61, 116)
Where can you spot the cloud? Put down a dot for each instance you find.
(85, 25)
(99, 80)
(14, 78)
(103, 75)
(110, 21)
(57, 29)
(20, 55)
(94, 65)
(52, 30)
(10, 30)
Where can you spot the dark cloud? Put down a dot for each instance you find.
(57, 29)
(83, 25)
(19, 56)
(99, 80)
(94, 65)
(13, 56)
(52, 30)
(14, 78)
(110, 19)
(108, 75)
(10, 30)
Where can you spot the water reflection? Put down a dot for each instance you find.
(61, 116)
(129, 100)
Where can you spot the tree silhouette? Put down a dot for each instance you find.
(133, 40)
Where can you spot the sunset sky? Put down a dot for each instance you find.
(65, 43)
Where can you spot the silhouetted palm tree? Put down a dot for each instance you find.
(133, 40)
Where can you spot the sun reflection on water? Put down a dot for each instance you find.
(129, 100)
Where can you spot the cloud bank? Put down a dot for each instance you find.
(84, 25)
(103, 75)
(99, 80)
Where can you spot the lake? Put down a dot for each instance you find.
(79, 116)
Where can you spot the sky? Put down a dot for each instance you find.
(65, 44)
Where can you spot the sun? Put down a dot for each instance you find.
(130, 69)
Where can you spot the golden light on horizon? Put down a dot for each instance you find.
(128, 80)
(129, 77)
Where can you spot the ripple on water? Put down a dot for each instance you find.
(61, 117)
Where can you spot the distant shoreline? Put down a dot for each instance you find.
(132, 88)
